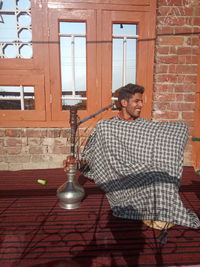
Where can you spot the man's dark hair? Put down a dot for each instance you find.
(127, 91)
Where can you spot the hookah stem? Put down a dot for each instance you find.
(96, 113)
(73, 124)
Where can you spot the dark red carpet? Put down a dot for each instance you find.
(36, 232)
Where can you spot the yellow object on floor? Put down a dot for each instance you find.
(159, 225)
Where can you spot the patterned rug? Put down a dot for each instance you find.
(36, 232)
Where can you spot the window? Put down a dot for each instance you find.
(22, 98)
(22, 71)
(127, 54)
(73, 57)
(73, 62)
(17, 97)
(54, 54)
(124, 52)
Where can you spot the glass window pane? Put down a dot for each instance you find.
(10, 51)
(124, 54)
(26, 51)
(73, 63)
(24, 4)
(8, 29)
(24, 19)
(29, 101)
(69, 27)
(17, 98)
(9, 4)
(15, 28)
(125, 29)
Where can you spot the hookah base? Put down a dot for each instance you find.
(68, 206)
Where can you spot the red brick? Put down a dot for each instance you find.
(18, 158)
(186, 69)
(187, 79)
(170, 78)
(161, 68)
(195, 50)
(163, 29)
(194, 40)
(171, 40)
(184, 51)
(162, 50)
(183, 30)
(13, 132)
(181, 59)
(168, 3)
(172, 68)
(61, 150)
(191, 60)
(197, 11)
(2, 133)
(173, 50)
(36, 133)
(168, 97)
(188, 21)
(36, 150)
(185, 88)
(163, 10)
(166, 115)
(53, 133)
(160, 87)
(13, 142)
(65, 133)
(2, 151)
(34, 141)
(162, 106)
(167, 59)
(196, 29)
(196, 21)
(189, 97)
(177, 2)
(170, 20)
(175, 11)
(187, 11)
(14, 150)
(182, 106)
(188, 115)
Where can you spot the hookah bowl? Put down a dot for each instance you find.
(71, 192)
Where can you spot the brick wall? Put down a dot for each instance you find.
(178, 22)
(36, 148)
(33, 148)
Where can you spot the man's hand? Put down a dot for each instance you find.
(67, 161)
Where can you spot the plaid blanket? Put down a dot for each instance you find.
(139, 166)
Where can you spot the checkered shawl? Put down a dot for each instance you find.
(139, 166)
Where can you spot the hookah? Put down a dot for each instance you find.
(71, 192)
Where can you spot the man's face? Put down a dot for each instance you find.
(133, 106)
